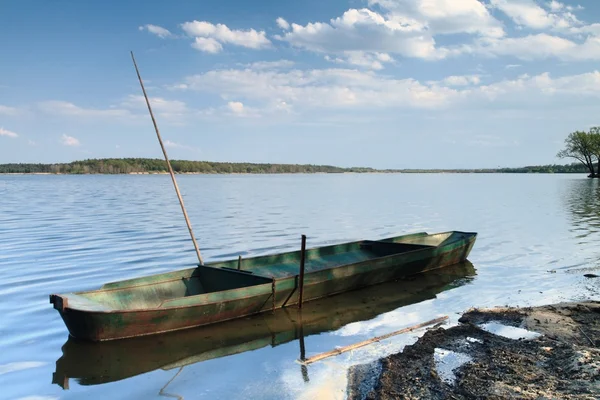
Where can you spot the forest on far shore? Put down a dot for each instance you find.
(148, 165)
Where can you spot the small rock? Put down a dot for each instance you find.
(591, 276)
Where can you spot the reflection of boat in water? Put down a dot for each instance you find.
(97, 363)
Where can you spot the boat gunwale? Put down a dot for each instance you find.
(175, 279)
(472, 236)
(211, 265)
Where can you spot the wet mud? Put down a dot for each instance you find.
(545, 352)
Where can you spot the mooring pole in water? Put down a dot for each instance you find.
(162, 146)
(273, 295)
(239, 262)
(301, 277)
(303, 368)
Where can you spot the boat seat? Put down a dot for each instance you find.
(82, 303)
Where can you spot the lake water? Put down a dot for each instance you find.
(538, 236)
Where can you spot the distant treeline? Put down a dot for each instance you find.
(147, 165)
(575, 168)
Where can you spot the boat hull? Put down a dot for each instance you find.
(96, 363)
(188, 312)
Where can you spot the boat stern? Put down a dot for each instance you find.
(59, 302)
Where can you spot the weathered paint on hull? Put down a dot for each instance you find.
(118, 324)
(343, 279)
(97, 326)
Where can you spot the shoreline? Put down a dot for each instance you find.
(301, 173)
(550, 351)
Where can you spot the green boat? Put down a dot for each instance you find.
(91, 363)
(221, 291)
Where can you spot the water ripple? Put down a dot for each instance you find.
(67, 233)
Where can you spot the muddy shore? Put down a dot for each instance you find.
(545, 352)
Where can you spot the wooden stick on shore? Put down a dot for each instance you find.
(341, 350)
(185, 215)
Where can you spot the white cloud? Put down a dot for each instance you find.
(220, 34)
(539, 46)
(364, 30)
(10, 111)
(236, 107)
(158, 104)
(370, 37)
(512, 66)
(280, 64)
(558, 6)
(461, 80)
(528, 87)
(199, 28)
(175, 112)
(445, 16)
(282, 23)
(528, 13)
(180, 86)
(409, 28)
(208, 45)
(524, 12)
(555, 5)
(341, 89)
(404, 27)
(132, 108)
(65, 108)
(384, 57)
(327, 88)
(156, 30)
(7, 133)
(362, 59)
(69, 141)
(591, 29)
(175, 145)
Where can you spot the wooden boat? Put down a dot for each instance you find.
(226, 290)
(98, 363)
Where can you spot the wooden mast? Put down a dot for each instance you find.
(162, 146)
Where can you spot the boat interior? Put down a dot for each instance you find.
(201, 280)
(155, 291)
(286, 264)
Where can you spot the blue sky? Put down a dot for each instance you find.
(381, 83)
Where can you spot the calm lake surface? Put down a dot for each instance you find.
(538, 236)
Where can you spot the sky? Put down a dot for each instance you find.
(377, 83)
